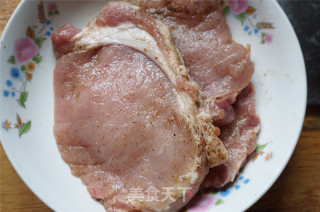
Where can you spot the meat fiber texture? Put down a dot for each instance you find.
(128, 116)
(221, 67)
(239, 138)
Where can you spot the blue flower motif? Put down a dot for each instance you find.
(237, 187)
(246, 181)
(48, 33)
(250, 32)
(13, 94)
(9, 83)
(51, 28)
(15, 73)
(246, 28)
(256, 30)
(6, 93)
(225, 192)
(241, 177)
(48, 22)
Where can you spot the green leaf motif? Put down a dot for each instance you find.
(12, 60)
(241, 170)
(255, 16)
(23, 98)
(260, 147)
(50, 13)
(37, 59)
(57, 12)
(262, 41)
(39, 41)
(23, 68)
(25, 128)
(226, 10)
(263, 34)
(241, 17)
(219, 202)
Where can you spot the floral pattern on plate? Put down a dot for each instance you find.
(25, 60)
(247, 15)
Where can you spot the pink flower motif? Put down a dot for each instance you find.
(268, 38)
(238, 6)
(200, 203)
(52, 6)
(24, 49)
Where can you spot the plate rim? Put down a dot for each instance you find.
(293, 147)
(282, 167)
(5, 31)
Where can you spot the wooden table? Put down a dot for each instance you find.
(297, 189)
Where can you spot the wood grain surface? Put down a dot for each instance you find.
(297, 189)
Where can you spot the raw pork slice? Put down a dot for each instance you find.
(128, 117)
(239, 137)
(221, 67)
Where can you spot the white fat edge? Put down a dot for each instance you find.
(128, 34)
(185, 102)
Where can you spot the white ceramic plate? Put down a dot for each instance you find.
(27, 63)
